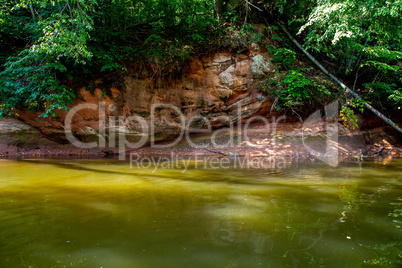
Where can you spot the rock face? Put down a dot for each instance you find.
(214, 90)
(16, 137)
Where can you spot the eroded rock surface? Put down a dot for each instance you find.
(214, 90)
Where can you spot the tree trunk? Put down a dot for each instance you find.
(220, 8)
(32, 10)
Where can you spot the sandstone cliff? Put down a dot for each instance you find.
(219, 87)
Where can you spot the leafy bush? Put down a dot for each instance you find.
(31, 79)
(294, 90)
(286, 58)
(347, 113)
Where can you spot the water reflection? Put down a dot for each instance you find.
(101, 213)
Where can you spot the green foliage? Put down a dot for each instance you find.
(347, 113)
(286, 58)
(165, 52)
(361, 37)
(44, 43)
(293, 13)
(295, 90)
(348, 117)
(396, 97)
(30, 78)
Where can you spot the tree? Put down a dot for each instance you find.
(58, 34)
(53, 41)
(363, 38)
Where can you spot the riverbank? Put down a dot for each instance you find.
(288, 140)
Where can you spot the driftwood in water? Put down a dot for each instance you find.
(222, 153)
(379, 151)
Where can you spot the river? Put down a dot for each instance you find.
(106, 213)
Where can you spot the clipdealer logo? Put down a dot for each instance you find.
(200, 161)
(113, 130)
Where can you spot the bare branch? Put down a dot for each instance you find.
(259, 9)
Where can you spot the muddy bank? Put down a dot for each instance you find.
(289, 139)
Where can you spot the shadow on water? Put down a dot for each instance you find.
(303, 217)
(72, 166)
(306, 172)
(211, 175)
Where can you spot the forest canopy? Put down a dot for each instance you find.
(46, 43)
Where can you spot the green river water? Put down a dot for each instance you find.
(102, 213)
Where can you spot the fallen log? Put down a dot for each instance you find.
(222, 153)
